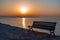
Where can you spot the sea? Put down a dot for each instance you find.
(25, 22)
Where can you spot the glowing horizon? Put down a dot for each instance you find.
(31, 7)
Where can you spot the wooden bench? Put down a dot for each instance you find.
(50, 26)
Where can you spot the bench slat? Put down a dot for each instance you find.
(44, 25)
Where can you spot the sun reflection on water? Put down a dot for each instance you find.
(23, 22)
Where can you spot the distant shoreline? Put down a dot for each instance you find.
(28, 17)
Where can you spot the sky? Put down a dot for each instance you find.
(35, 7)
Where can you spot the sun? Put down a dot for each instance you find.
(23, 10)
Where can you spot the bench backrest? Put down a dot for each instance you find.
(44, 25)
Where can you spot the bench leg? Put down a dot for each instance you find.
(30, 28)
(52, 34)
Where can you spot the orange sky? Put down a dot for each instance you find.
(35, 8)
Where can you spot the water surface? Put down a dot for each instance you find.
(25, 22)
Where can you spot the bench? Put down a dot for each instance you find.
(50, 26)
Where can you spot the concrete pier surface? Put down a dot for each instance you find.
(8, 32)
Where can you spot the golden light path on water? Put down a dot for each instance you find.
(23, 22)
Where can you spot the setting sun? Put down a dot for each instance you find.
(23, 10)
